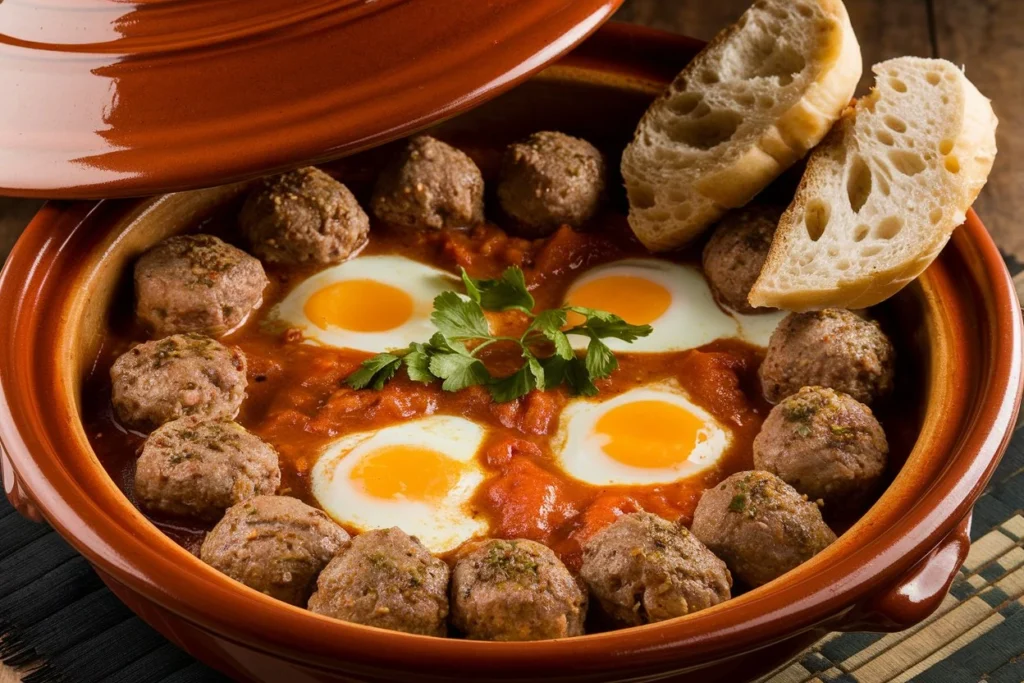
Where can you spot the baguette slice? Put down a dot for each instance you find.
(754, 101)
(884, 192)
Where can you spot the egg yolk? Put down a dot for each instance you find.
(407, 472)
(649, 434)
(636, 300)
(359, 306)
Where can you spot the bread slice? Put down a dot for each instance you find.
(883, 193)
(753, 102)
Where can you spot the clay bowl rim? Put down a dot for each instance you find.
(912, 518)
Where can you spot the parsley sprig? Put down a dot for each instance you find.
(452, 354)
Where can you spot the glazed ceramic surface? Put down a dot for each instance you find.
(109, 98)
(890, 570)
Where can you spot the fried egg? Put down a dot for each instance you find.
(649, 435)
(371, 303)
(418, 476)
(674, 299)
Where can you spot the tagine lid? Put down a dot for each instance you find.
(113, 98)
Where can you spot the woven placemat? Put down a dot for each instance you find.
(60, 622)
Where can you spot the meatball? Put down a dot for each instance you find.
(643, 568)
(303, 216)
(196, 283)
(430, 185)
(734, 255)
(180, 375)
(274, 544)
(199, 468)
(549, 180)
(760, 526)
(825, 444)
(832, 348)
(385, 579)
(515, 590)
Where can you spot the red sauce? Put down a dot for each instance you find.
(297, 399)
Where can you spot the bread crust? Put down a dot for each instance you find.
(691, 199)
(974, 148)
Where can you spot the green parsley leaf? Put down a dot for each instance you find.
(536, 370)
(507, 292)
(605, 325)
(578, 377)
(550, 324)
(600, 360)
(458, 371)
(457, 318)
(375, 372)
(472, 291)
(417, 363)
(554, 370)
(518, 384)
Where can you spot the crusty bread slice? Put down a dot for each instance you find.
(884, 192)
(753, 102)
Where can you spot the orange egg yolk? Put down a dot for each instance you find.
(636, 300)
(359, 306)
(649, 434)
(407, 472)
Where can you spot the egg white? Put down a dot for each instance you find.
(757, 328)
(419, 281)
(693, 317)
(442, 526)
(579, 449)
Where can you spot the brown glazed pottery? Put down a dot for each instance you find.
(960, 321)
(116, 98)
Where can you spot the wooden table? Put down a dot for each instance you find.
(983, 35)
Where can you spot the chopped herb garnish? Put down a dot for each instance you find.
(451, 355)
(841, 431)
(738, 502)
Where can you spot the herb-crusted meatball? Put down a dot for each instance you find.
(303, 216)
(825, 444)
(832, 348)
(199, 468)
(196, 283)
(643, 568)
(760, 526)
(274, 544)
(430, 185)
(734, 255)
(177, 376)
(515, 590)
(385, 579)
(549, 180)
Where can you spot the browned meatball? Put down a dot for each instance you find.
(196, 283)
(549, 180)
(734, 255)
(643, 568)
(180, 375)
(385, 579)
(515, 590)
(760, 526)
(825, 444)
(832, 348)
(199, 468)
(303, 216)
(274, 544)
(430, 185)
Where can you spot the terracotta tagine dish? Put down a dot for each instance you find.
(66, 302)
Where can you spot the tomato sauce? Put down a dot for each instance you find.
(298, 401)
